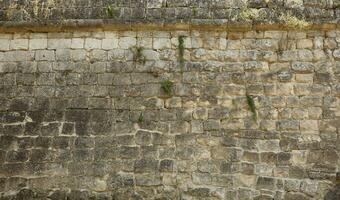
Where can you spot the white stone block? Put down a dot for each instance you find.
(38, 43)
(19, 44)
(91, 43)
(77, 43)
(109, 44)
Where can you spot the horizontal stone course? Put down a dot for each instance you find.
(167, 11)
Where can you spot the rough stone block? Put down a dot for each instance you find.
(148, 179)
(266, 183)
(142, 166)
(45, 55)
(127, 42)
(161, 43)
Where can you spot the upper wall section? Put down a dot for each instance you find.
(187, 13)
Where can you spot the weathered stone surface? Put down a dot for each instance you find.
(170, 11)
(82, 118)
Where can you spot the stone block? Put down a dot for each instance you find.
(98, 55)
(109, 43)
(83, 155)
(304, 44)
(146, 165)
(226, 153)
(148, 179)
(63, 54)
(126, 152)
(77, 43)
(4, 44)
(288, 125)
(58, 43)
(161, 43)
(266, 183)
(41, 155)
(268, 145)
(309, 187)
(19, 44)
(166, 165)
(143, 138)
(17, 156)
(92, 43)
(295, 196)
(45, 55)
(38, 43)
(127, 42)
(303, 67)
(309, 125)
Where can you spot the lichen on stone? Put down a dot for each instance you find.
(249, 14)
(292, 21)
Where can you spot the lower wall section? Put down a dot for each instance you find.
(170, 115)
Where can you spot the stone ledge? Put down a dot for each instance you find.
(111, 25)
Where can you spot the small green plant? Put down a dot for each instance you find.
(194, 11)
(110, 12)
(181, 48)
(141, 118)
(252, 107)
(138, 54)
(166, 86)
(66, 72)
(293, 22)
(37, 74)
(59, 80)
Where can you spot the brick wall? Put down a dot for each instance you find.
(136, 115)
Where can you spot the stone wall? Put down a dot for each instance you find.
(170, 115)
(136, 13)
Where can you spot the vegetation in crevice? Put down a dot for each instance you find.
(110, 12)
(66, 72)
(181, 48)
(141, 118)
(59, 80)
(138, 54)
(166, 86)
(272, 15)
(37, 74)
(194, 11)
(252, 107)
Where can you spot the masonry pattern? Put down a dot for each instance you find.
(128, 12)
(84, 116)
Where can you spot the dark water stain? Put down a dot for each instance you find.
(334, 193)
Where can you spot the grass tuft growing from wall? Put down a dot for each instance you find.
(252, 107)
(181, 48)
(110, 12)
(166, 86)
(138, 54)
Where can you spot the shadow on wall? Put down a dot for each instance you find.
(334, 193)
